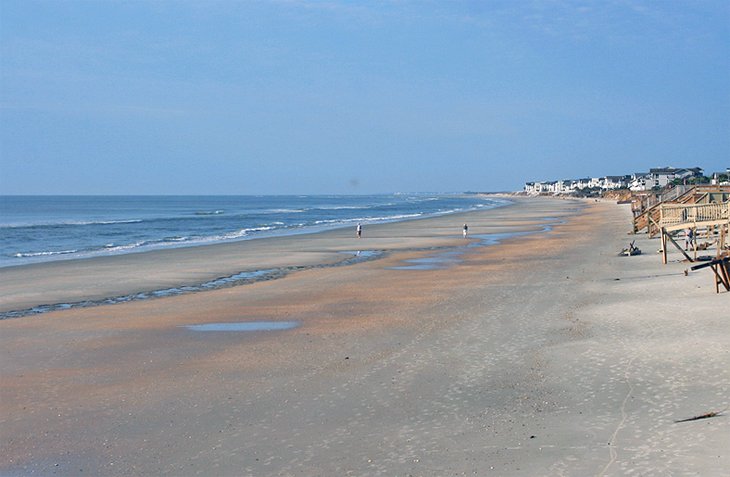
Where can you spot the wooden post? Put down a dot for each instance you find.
(649, 222)
(718, 240)
(717, 278)
(724, 274)
(666, 234)
(664, 246)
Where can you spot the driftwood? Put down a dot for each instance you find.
(632, 250)
(703, 416)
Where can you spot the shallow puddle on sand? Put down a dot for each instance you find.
(436, 262)
(444, 260)
(246, 326)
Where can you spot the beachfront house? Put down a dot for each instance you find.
(580, 184)
(638, 181)
(564, 187)
(536, 188)
(615, 182)
(531, 188)
(721, 178)
(596, 182)
(662, 176)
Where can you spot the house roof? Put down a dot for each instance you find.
(663, 170)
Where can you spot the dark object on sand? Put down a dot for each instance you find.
(721, 268)
(702, 416)
(632, 250)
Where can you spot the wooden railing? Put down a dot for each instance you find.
(675, 192)
(678, 216)
(650, 200)
(668, 194)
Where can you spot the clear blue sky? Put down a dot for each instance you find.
(256, 97)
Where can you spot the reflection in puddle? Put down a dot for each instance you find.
(443, 260)
(436, 262)
(494, 239)
(246, 326)
(363, 255)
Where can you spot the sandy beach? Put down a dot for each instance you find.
(544, 354)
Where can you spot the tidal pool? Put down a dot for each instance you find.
(436, 262)
(245, 326)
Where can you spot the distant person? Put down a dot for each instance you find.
(689, 238)
(465, 230)
(359, 230)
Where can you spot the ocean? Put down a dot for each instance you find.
(37, 229)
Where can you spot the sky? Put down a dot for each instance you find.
(336, 97)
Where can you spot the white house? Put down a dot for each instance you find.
(563, 187)
(718, 179)
(615, 182)
(581, 184)
(596, 182)
(638, 181)
(532, 188)
(535, 188)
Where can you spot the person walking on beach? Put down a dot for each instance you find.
(359, 230)
(689, 238)
(466, 230)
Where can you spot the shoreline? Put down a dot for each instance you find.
(441, 256)
(498, 200)
(96, 279)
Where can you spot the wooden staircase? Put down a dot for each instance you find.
(647, 212)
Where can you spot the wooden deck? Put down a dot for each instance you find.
(714, 218)
(681, 216)
(646, 208)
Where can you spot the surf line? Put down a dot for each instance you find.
(245, 278)
(238, 279)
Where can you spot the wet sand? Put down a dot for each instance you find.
(546, 354)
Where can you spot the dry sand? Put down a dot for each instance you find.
(544, 355)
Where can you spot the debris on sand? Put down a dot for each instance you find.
(632, 250)
(702, 416)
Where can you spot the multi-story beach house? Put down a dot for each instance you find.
(662, 176)
(638, 181)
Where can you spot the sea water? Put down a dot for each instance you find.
(46, 228)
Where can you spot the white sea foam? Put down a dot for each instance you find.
(283, 211)
(384, 218)
(210, 212)
(62, 223)
(44, 254)
(352, 207)
(189, 221)
(126, 247)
